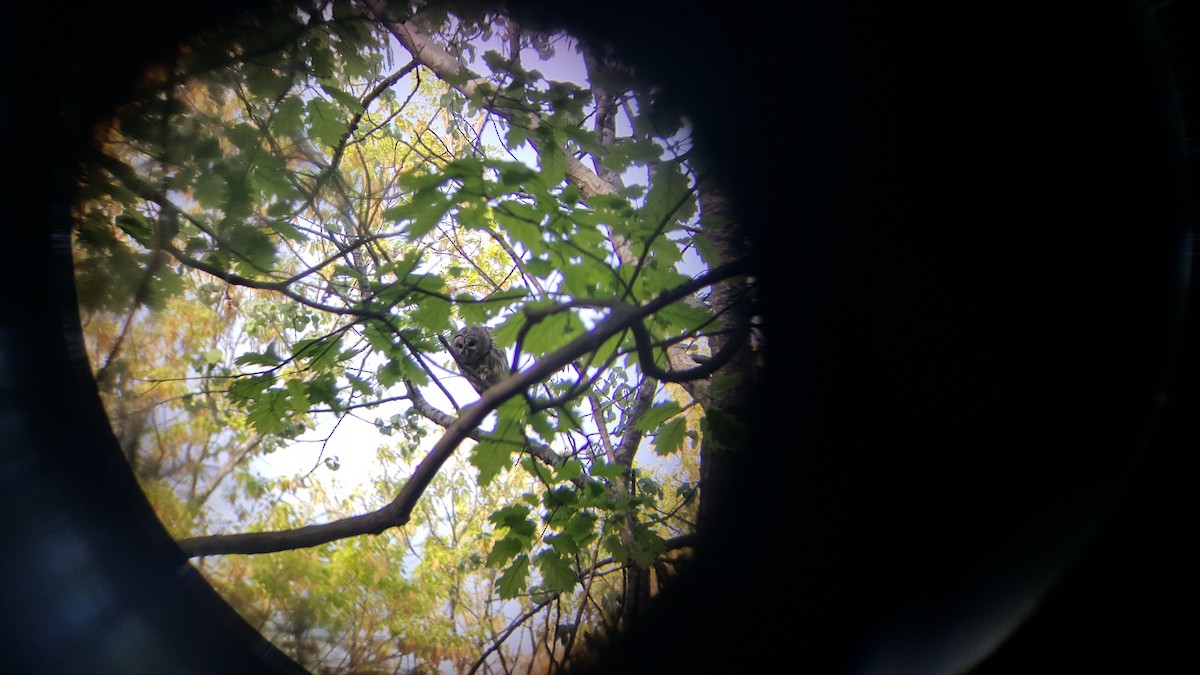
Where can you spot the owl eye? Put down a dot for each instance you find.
(472, 342)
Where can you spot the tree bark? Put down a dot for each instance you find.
(732, 301)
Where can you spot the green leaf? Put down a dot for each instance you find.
(562, 544)
(495, 61)
(513, 516)
(586, 278)
(210, 190)
(163, 284)
(432, 314)
(472, 215)
(538, 470)
(319, 352)
(557, 573)
(552, 160)
(721, 384)
(522, 222)
(542, 426)
(626, 151)
(205, 150)
(505, 334)
(514, 174)
(722, 430)
(504, 550)
(422, 180)
(325, 121)
(245, 137)
(646, 546)
(607, 471)
(490, 457)
(264, 83)
(553, 332)
(670, 437)
(612, 545)
(270, 177)
(254, 248)
(360, 385)
(580, 527)
(323, 389)
(268, 414)
(409, 369)
(137, 226)
(649, 486)
(472, 312)
(586, 140)
(250, 388)
(510, 421)
(540, 267)
(465, 169)
(288, 231)
(389, 373)
(657, 414)
(558, 498)
(568, 470)
(424, 212)
(379, 335)
(296, 396)
(680, 317)
(707, 249)
(516, 137)
(514, 579)
(654, 279)
(663, 201)
(348, 100)
(665, 251)
(289, 116)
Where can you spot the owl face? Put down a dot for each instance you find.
(471, 344)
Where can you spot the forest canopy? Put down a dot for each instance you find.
(277, 242)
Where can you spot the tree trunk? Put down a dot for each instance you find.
(733, 302)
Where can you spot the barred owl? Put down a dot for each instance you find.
(479, 359)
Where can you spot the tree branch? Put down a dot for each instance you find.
(631, 436)
(399, 511)
(427, 410)
(456, 74)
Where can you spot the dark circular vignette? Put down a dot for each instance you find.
(974, 227)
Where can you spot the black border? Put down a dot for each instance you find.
(973, 226)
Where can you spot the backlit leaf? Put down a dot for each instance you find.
(491, 457)
(513, 580)
(658, 414)
(557, 572)
(669, 438)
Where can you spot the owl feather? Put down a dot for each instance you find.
(479, 359)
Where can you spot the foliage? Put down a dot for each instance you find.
(276, 238)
